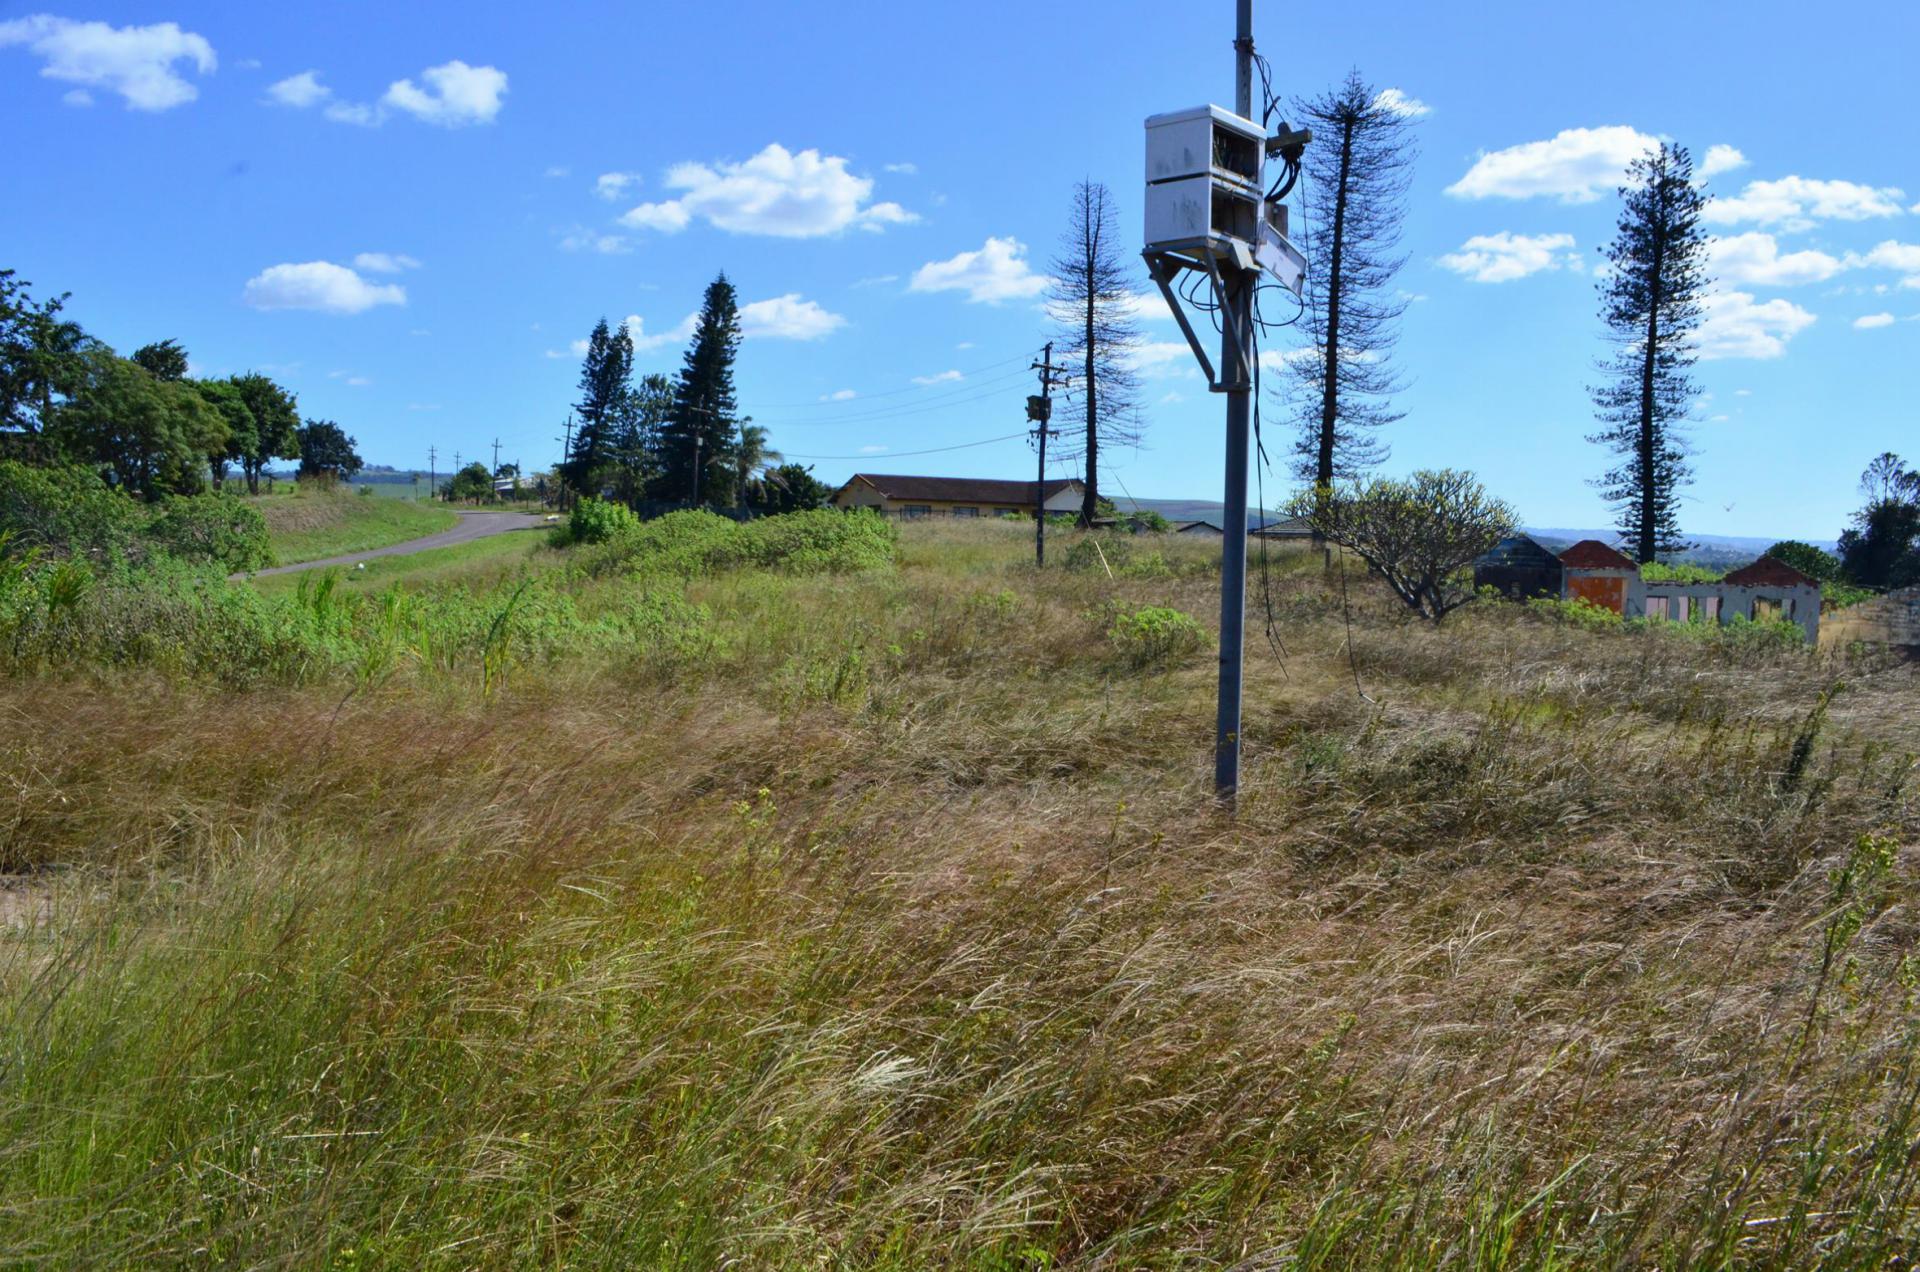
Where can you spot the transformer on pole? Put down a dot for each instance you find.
(1209, 211)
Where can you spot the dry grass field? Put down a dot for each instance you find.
(884, 919)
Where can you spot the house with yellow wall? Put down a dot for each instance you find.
(897, 496)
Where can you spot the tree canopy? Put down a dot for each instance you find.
(327, 451)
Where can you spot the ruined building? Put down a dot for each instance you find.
(1590, 571)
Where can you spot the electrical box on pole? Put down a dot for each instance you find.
(1211, 212)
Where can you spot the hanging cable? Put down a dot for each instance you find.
(917, 388)
(937, 450)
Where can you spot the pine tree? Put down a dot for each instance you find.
(702, 427)
(1092, 299)
(1650, 302)
(1357, 172)
(603, 395)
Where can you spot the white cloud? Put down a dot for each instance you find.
(558, 170)
(876, 280)
(1721, 159)
(1577, 165)
(1901, 258)
(1870, 321)
(787, 317)
(1392, 99)
(1795, 203)
(941, 377)
(77, 97)
(1169, 398)
(903, 169)
(423, 406)
(997, 271)
(136, 62)
(456, 94)
(875, 450)
(349, 379)
(644, 343)
(1158, 359)
(611, 185)
(385, 262)
(298, 91)
(668, 218)
(1743, 393)
(1755, 258)
(839, 395)
(580, 239)
(1503, 257)
(358, 114)
(1736, 327)
(320, 285)
(777, 192)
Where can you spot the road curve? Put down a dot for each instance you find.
(473, 525)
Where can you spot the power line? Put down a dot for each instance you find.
(956, 397)
(779, 406)
(899, 454)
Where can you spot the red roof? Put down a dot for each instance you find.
(1768, 572)
(1591, 554)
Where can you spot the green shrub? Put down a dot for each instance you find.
(1100, 554)
(1655, 572)
(694, 542)
(67, 511)
(1155, 636)
(218, 529)
(1574, 613)
(598, 520)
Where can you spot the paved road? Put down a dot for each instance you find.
(473, 525)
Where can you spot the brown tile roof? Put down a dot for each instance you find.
(1768, 572)
(1591, 554)
(982, 490)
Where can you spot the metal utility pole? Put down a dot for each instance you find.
(1209, 209)
(566, 457)
(1040, 411)
(496, 456)
(1236, 351)
(433, 477)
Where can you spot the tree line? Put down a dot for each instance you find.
(145, 424)
(679, 440)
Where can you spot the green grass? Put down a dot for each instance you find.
(311, 525)
(478, 561)
(882, 918)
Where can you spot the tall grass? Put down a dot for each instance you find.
(887, 923)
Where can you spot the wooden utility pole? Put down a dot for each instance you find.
(433, 482)
(1040, 411)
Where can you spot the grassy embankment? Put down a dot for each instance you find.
(312, 525)
(793, 915)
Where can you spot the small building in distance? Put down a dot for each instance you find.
(1768, 590)
(1519, 569)
(1287, 532)
(913, 497)
(1599, 575)
(1199, 529)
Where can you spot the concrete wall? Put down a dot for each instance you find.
(1796, 604)
(1893, 619)
(1627, 594)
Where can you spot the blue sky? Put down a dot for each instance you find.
(409, 213)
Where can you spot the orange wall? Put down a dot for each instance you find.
(1606, 593)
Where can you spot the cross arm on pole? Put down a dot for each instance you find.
(1158, 269)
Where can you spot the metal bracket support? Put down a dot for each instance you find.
(1157, 269)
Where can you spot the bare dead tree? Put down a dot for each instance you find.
(1357, 172)
(1092, 298)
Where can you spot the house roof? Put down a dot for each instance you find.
(1284, 528)
(1769, 572)
(1518, 552)
(986, 490)
(1591, 554)
(1186, 527)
